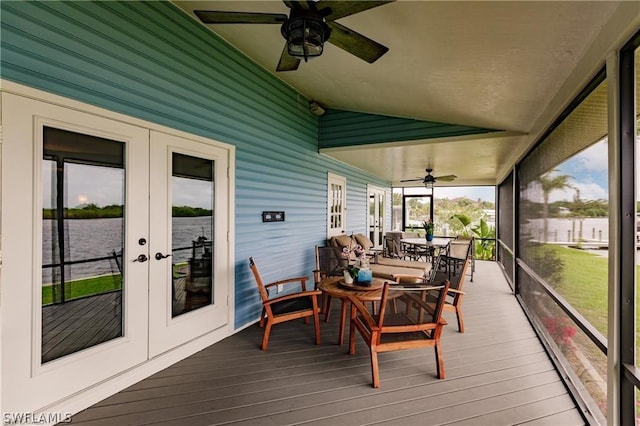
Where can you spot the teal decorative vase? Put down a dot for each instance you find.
(429, 237)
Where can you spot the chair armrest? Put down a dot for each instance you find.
(301, 280)
(310, 293)
(364, 312)
(453, 290)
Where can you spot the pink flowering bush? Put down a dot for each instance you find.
(560, 330)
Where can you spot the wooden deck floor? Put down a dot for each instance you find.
(497, 374)
(79, 324)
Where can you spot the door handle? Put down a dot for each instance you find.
(142, 258)
(160, 256)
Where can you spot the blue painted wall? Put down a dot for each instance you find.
(150, 60)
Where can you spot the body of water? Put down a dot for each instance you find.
(568, 230)
(95, 238)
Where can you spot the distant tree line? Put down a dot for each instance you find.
(89, 211)
(93, 211)
(559, 209)
(186, 211)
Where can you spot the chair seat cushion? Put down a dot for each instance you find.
(387, 272)
(415, 264)
(292, 305)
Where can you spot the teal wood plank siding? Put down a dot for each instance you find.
(345, 128)
(151, 61)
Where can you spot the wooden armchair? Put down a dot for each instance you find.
(455, 294)
(302, 304)
(420, 325)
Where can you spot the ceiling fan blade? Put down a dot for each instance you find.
(355, 43)
(287, 62)
(298, 5)
(446, 178)
(215, 17)
(413, 180)
(340, 9)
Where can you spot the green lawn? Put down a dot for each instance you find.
(585, 283)
(90, 286)
(84, 287)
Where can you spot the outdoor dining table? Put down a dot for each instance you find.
(336, 287)
(433, 246)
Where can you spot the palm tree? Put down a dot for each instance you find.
(549, 183)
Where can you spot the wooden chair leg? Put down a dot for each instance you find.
(352, 338)
(265, 337)
(343, 319)
(439, 361)
(460, 320)
(375, 372)
(316, 319)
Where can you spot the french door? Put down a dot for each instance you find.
(188, 249)
(376, 215)
(114, 248)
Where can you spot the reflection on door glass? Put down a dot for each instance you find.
(192, 233)
(82, 241)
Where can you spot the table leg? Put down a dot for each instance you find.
(343, 319)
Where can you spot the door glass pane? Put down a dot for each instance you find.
(192, 233)
(82, 241)
(396, 209)
(380, 220)
(372, 217)
(336, 206)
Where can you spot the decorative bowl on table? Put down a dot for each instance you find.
(365, 275)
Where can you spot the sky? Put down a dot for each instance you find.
(485, 193)
(589, 174)
(104, 186)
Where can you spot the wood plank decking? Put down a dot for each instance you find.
(79, 324)
(497, 374)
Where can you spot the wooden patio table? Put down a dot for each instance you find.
(336, 287)
(434, 245)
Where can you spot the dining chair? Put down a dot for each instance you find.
(460, 250)
(395, 249)
(392, 330)
(300, 304)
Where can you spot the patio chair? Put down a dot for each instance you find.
(455, 294)
(301, 304)
(395, 249)
(330, 262)
(460, 250)
(393, 330)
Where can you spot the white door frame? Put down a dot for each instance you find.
(336, 205)
(20, 224)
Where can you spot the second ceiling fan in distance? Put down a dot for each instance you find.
(307, 27)
(429, 180)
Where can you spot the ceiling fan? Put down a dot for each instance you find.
(429, 180)
(308, 26)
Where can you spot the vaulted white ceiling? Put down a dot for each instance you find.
(502, 65)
